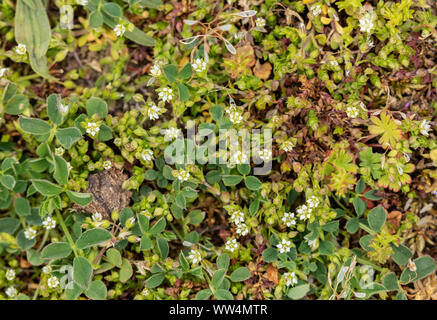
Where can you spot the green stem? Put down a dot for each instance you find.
(44, 239)
(67, 233)
(176, 231)
(366, 262)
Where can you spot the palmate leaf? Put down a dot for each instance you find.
(387, 128)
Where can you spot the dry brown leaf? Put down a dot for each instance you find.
(262, 71)
(272, 274)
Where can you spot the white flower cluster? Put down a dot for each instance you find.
(107, 164)
(119, 30)
(284, 246)
(46, 269)
(171, 134)
(97, 217)
(153, 111)
(290, 278)
(49, 223)
(182, 175)
(147, 155)
(366, 23)
(316, 10)
(53, 282)
(59, 151)
(289, 219)
(237, 217)
(30, 233)
(239, 157)
(425, 127)
(265, 155)
(165, 94)
(234, 115)
(195, 256)
(92, 128)
(155, 70)
(287, 146)
(352, 111)
(82, 2)
(10, 274)
(64, 108)
(199, 65)
(260, 22)
(304, 211)
(231, 245)
(20, 49)
(11, 292)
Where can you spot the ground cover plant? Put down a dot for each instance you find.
(105, 194)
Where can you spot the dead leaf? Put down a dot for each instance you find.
(272, 274)
(262, 71)
(24, 263)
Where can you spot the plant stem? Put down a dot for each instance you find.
(67, 233)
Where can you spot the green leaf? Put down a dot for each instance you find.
(376, 218)
(112, 9)
(359, 206)
(7, 181)
(162, 247)
(61, 170)
(231, 180)
(53, 112)
(365, 242)
(73, 293)
(203, 294)
(401, 254)
(9, 225)
(195, 217)
(143, 222)
(82, 272)
(240, 274)
(425, 265)
(244, 169)
(298, 292)
(254, 207)
(171, 72)
(352, 225)
(371, 195)
(92, 237)
(34, 257)
(96, 19)
(23, 242)
(17, 104)
(96, 106)
(81, 198)
(253, 183)
(34, 126)
(223, 261)
(360, 186)
(390, 281)
(270, 255)
(125, 271)
(331, 227)
(56, 250)
(155, 280)
(216, 113)
(222, 294)
(158, 227)
(114, 257)
(326, 248)
(68, 136)
(184, 93)
(292, 196)
(105, 133)
(218, 277)
(46, 188)
(186, 72)
(96, 290)
(145, 243)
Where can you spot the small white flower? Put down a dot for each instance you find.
(287, 146)
(195, 256)
(153, 111)
(242, 229)
(69, 166)
(231, 245)
(333, 63)
(199, 65)
(59, 151)
(316, 10)
(313, 202)
(425, 127)
(284, 246)
(290, 278)
(30, 233)
(366, 23)
(239, 157)
(312, 244)
(92, 128)
(237, 217)
(97, 217)
(165, 94)
(352, 112)
(64, 108)
(289, 219)
(145, 292)
(20, 49)
(46, 269)
(119, 30)
(107, 164)
(11, 292)
(10, 274)
(260, 22)
(234, 115)
(304, 212)
(3, 71)
(155, 70)
(265, 155)
(171, 134)
(182, 175)
(53, 282)
(147, 155)
(82, 2)
(49, 223)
